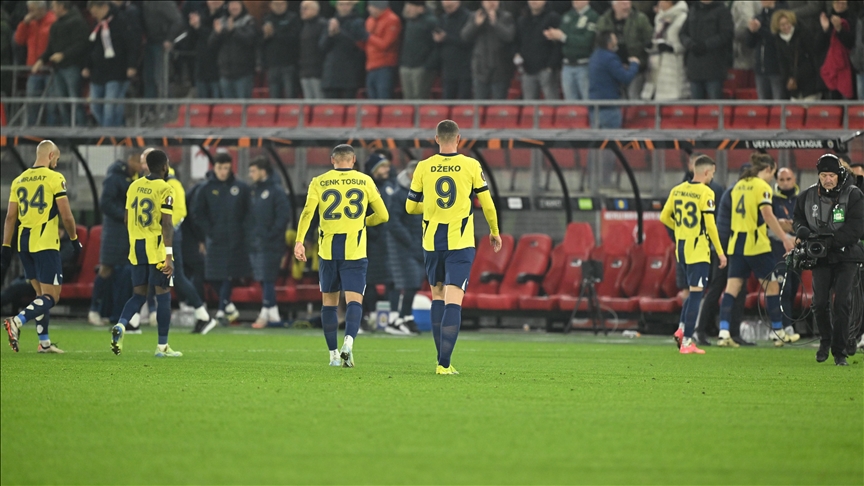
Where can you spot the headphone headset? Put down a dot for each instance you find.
(841, 177)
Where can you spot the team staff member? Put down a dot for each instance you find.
(441, 190)
(341, 197)
(749, 248)
(149, 204)
(36, 199)
(405, 255)
(689, 211)
(785, 197)
(833, 206)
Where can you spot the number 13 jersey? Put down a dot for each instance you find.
(147, 199)
(36, 192)
(445, 183)
(690, 210)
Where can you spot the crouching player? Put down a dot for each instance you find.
(341, 197)
(689, 211)
(149, 202)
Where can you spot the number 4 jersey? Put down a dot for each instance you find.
(36, 191)
(749, 232)
(689, 211)
(147, 200)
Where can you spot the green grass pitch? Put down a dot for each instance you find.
(264, 407)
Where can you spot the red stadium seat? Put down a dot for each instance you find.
(288, 116)
(531, 258)
(487, 262)
(824, 118)
(565, 272)
(708, 117)
(199, 116)
(369, 115)
(668, 299)
(567, 117)
(749, 117)
(82, 287)
(261, 116)
(746, 94)
(738, 79)
(397, 116)
(463, 116)
(640, 117)
(677, 117)
(520, 158)
(327, 116)
(226, 116)
(250, 294)
(856, 117)
(500, 116)
(546, 114)
(804, 299)
(430, 115)
(658, 264)
(794, 117)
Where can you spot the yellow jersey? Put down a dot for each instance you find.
(444, 184)
(147, 200)
(689, 211)
(179, 211)
(36, 191)
(342, 197)
(749, 234)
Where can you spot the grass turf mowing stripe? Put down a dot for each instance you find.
(526, 408)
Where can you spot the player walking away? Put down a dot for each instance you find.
(441, 191)
(689, 211)
(149, 207)
(341, 197)
(36, 199)
(750, 249)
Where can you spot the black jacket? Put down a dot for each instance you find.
(236, 47)
(344, 60)
(219, 212)
(762, 43)
(206, 54)
(112, 203)
(283, 47)
(798, 59)
(707, 36)
(269, 216)
(104, 69)
(845, 245)
(69, 36)
(455, 51)
(537, 51)
(311, 60)
(161, 21)
(417, 43)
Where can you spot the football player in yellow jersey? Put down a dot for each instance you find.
(441, 191)
(341, 197)
(689, 211)
(149, 206)
(36, 200)
(749, 247)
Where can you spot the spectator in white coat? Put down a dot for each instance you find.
(666, 78)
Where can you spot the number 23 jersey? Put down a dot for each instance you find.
(446, 182)
(147, 200)
(36, 192)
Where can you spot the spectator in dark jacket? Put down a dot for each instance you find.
(67, 52)
(221, 207)
(162, 24)
(206, 67)
(405, 254)
(378, 166)
(418, 48)
(114, 249)
(769, 82)
(492, 31)
(796, 51)
(344, 60)
(311, 56)
(634, 32)
(578, 28)
(235, 35)
(541, 57)
(112, 62)
(707, 37)
(269, 215)
(607, 78)
(7, 53)
(280, 48)
(455, 52)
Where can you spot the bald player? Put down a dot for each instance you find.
(38, 201)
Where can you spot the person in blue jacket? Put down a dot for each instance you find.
(607, 77)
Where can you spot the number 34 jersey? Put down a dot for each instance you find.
(147, 199)
(36, 192)
(689, 211)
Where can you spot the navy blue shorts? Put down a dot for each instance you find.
(697, 274)
(43, 266)
(149, 275)
(681, 275)
(450, 267)
(347, 275)
(762, 266)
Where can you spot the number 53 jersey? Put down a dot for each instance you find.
(445, 183)
(147, 200)
(36, 192)
(690, 210)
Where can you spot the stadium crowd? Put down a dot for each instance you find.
(378, 49)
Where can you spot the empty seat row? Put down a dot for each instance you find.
(750, 117)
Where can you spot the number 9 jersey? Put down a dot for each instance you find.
(36, 192)
(147, 199)
(689, 211)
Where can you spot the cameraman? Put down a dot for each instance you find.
(833, 211)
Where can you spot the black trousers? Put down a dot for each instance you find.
(837, 280)
(709, 314)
